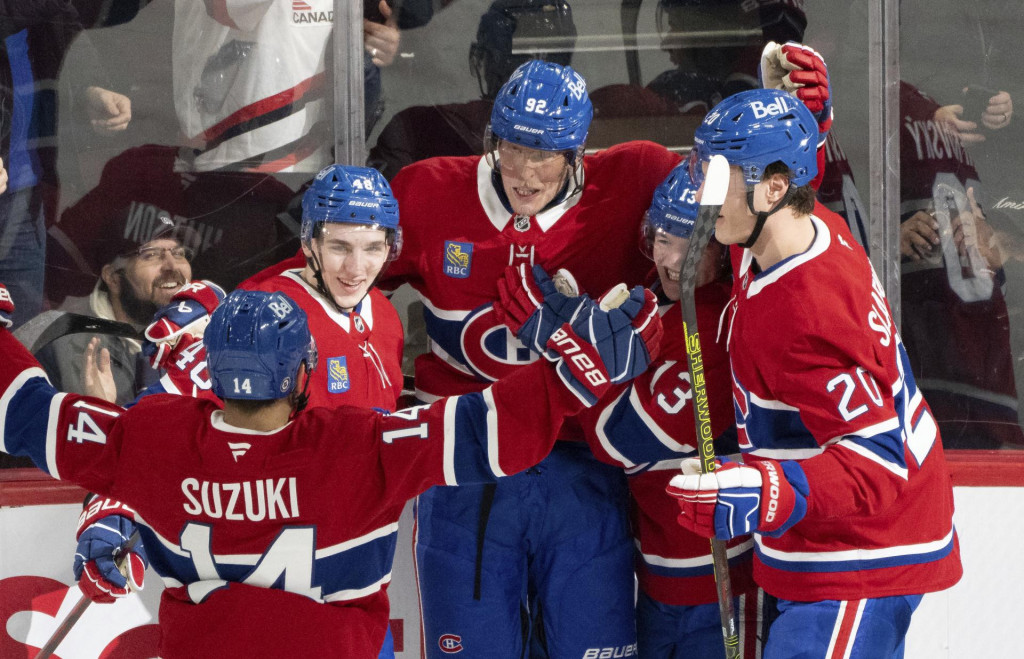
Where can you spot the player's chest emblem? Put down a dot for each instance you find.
(458, 259)
(490, 348)
(338, 380)
(521, 223)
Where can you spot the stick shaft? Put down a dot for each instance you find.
(703, 227)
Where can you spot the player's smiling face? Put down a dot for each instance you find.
(531, 178)
(351, 256)
(668, 252)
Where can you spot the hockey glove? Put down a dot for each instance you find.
(604, 347)
(6, 307)
(103, 531)
(182, 322)
(801, 71)
(765, 496)
(530, 304)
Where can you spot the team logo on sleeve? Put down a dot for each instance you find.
(450, 643)
(458, 258)
(338, 381)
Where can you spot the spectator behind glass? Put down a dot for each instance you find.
(143, 256)
(457, 129)
(34, 38)
(242, 220)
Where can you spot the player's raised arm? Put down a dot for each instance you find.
(512, 424)
(68, 436)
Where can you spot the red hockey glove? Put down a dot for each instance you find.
(182, 322)
(104, 568)
(533, 305)
(801, 71)
(736, 499)
(6, 306)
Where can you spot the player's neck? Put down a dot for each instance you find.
(784, 235)
(265, 418)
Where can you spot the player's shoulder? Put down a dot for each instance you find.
(441, 169)
(265, 279)
(160, 408)
(637, 158)
(344, 428)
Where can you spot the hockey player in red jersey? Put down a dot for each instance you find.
(494, 560)
(350, 231)
(261, 522)
(647, 428)
(844, 484)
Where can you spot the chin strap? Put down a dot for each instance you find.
(762, 216)
(321, 287)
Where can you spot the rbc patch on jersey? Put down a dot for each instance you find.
(337, 375)
(458, 258)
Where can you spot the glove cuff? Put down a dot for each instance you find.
(784, 493)
(99, 507)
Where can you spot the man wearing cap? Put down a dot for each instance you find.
(142, 258)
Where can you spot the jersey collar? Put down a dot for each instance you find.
(822, 239)
(364, 308)
(500, 216)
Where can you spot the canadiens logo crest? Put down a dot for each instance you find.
(491, 350)
(450, 643)
(338, 381)
(458, 259)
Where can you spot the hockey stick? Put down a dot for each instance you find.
(80, 607)
(51, 325)
(716, 183)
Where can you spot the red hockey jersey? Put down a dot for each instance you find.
(823, 378)
(360, 352)
(647, 427)
(278, 543)
(459, 238)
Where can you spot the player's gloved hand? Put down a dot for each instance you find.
(764, 496)
(6, 306)
(531, 305)
(103, 531)
(607, 346)
(801, 71)
(182, 322)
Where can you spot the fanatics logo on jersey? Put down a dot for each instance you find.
(338, 381)
(450, 643)
(458, 259)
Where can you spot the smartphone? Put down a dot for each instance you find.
(975, 101)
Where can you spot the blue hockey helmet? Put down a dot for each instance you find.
(543, 106)
(255, 343)
(756, 128)
(673, 209)
(543, 28)
(351, 195)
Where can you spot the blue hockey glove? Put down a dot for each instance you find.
(765, 496)
(6, 306)
(532, 307)
(604, 347)
(103, 531)
(182, 322)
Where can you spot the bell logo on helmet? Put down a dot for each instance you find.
(577, 87)
(778, 107)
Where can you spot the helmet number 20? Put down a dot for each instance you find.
(536, 105)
